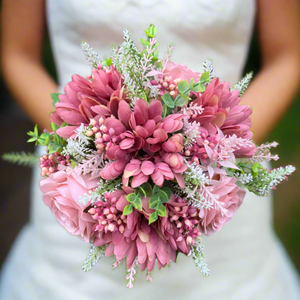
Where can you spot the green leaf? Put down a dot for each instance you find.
(109, 62)
(53, 148)
(183, 86)
(33, 139)
(73, 163)
(41, 141)
(168, 100)
(165, 110)
(192, 83)
(163, 196)
(180, 101)
(254, 169)
(54, 126)
(47, 139)
(131, 197)
(144, 96)
(147, 189)
(204, 77)
(30, 133)
(161, 210)
(138, 204)
(154, 201)
(155, 53)
(151, 31)
(156, 189)
(55, 98)
(168, 191)
(199, 87)
(128, 210)
(144, 42)
(184, 96)
(36, 131)
(153, 217)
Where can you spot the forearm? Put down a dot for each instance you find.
(271, 93)
(31, 86)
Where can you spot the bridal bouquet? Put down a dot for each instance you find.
(147, 155)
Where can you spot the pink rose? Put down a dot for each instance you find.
(180, 71)
(61, 194)
(231, 198)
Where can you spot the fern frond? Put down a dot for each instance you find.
(21, 158)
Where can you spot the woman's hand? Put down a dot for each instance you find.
(274, 88)
(22, 27)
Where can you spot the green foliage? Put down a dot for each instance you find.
(168, 100)
(106, 62)
(52, 140)
(55, 98)
(151, 31)
(22, 158)
(159, 196)
(204, 77)
(183, 89)
(145, 190)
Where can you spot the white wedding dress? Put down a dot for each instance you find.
(245, 258)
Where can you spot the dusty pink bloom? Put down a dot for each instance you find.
(174, 144)
(176, 71)
(61, 194)
(177, 165)
(140, 171)
(230, 197)
(113, 169)
(221, 108)
(82, 97)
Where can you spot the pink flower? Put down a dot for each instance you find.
(113, 169)
(230, 197)
(137, 240)
(177, 165)
(176, 71)
(82, 99)
(222, 109)
(61, 194)
(174, 144)
(180, 226)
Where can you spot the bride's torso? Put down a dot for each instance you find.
(215, 29)
(219, 30)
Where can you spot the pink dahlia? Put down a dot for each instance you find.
(61, 194)
(82, 99)
(230, 198)
(222, 109)
(128, 132)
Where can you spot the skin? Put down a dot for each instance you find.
(270, 94)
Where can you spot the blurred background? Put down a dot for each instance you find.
(15, 180)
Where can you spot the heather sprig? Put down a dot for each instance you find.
(208, 67)
(93, 257)
(266, 180)
(263, 153)
(90, 54)
(197, 253)
(243, 84)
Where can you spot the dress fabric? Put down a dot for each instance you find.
(245, 258)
